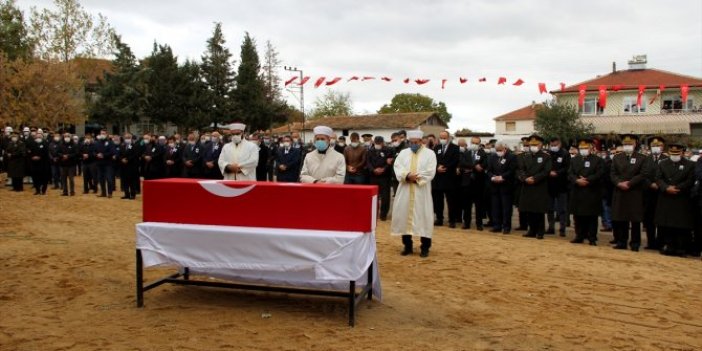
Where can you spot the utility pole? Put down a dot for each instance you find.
(301, 98)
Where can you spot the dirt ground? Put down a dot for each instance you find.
(67, 283)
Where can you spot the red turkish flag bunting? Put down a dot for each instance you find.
(542, 88)
(684, 90)
(563, 87)
(353, 78)
(639, 97)
(289, 81)
(407, 80)
(603, 96)
(482, 79)
(333, 81)
(581, 95)
(387, 79)
(661, 87)
(443, 83)
(617, 87)
(463, 80)
(502, 80)
(518, 82)
(304, 80)
(421, 81)
(319, 82)
(367, 78)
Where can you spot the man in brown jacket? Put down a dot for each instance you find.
(356, 156)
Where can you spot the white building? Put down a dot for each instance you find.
(379, 124)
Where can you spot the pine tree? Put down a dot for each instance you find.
(194, 106)
(250, 94)
(218, 76)
(163, 82)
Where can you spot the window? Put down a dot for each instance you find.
(510, 126)
(674, 104)
(631, 107)
(590, 107)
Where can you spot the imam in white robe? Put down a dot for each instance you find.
(413, 210)
(245, 154)
(329, 167)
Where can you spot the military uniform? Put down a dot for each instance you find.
(471, 170)
(534, 199)
(651, 194)
(586, 198)
(381, 159)
(627, 204)
(674, 216)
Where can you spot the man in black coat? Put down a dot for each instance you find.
(39, 164)
(675, 177)
(211, 152)
(501, 172)
(380, 160)
(15, 156)
(523, 149)
(656, 145)
(471, 170)
(87, 157)
(288, 162)
(558, 187)
(104, 150)
(397, 144)
(585, 176)
(192, 158)
(445, 183)
(263, 151)
(152, 165)
(129, 170)
(68, 155)
(173, 159)
(532, 172)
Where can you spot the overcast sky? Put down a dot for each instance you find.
(547, 41)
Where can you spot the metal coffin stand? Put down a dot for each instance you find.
(352, 296)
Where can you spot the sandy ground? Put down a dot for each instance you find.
(67, 283)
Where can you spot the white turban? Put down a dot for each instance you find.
(238, 126)
(323, 130)
(415, 134)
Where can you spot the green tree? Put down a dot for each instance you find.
(14, 38)
(333, 103)
(69, 31)
(163, 82)
(402, 103)
(560, 120)
(119, 94)
(250, 94)
(218, 76)
(195, 105)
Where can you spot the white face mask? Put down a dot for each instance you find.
(342, 144)
(675, 158)
(500, 154)
(286, 144)
(236, 139)
(473, 147)
(57, 139)
(584, 152)
(38, 140)
(443, 141)
(354, 144)
(147, 140)
(462, 148)
(534, 149)
(628, 148)
(295, 140)
(378, 147)
(656, 150)
(395, 143)
(489, 150)
(14, 139)
(67, 140)
(366, 143)
(555, 148)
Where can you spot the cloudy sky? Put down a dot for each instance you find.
(547, 41)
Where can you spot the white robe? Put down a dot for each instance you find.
(412, 209)
(245, 155)
(329, 167)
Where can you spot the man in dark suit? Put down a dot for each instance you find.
(129, 166)
(532, 172)
(173, 159)
(210, 156)
(152, 158)
(558, 187)
(471, 170)
(585, 176)
(261, 175)
(445, 183)
(380, 160)
(104, 150)
(192, 158)
(501, 171)
(630, 172)
(288, 162)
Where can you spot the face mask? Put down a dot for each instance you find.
(87, 141)
(378, 147)
(295, 140)
(342, 144)
(353, 144)
(215, 140)
(443, 141)
(286, 144)
(628, 148)
(191, 142)
(656, 150)
(57, 139)
(500, 153)
(554, 148)
(584, 152)
(171, 145)
(473, 147)
(66, 140)
(14, 139)
(116, 141)
(321, 145)
(236, 139)
(366, 143)
(26, 132)
(147, 140)
(414, 147)
(395, 143)
(462, 148)
(208, 138)
(127, 141)
(162, 141)
(489, 150)
(675, 158)
(265, 141)
(534, 149)
(38, 140)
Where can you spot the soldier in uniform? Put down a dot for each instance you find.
(471, 170)
(192, 158)
(39, 164)
(558, 187)
(656, 145)
(129, 167)
(380, 161)
(15, 152)
(533, 170)
(173, 159)
(675, 177)
(585, 175)
(68, 157)
(521, 152)
(629, 175)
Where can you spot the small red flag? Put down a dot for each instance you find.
(684, 90)
(518, 82)
(617, 87)
(333, 81)
(367, 78)
(353, 78)
(407, 80)
(542, 88)
(304, 80)
(421, 81)
(661, 88)
(642, 88)
(289, 81)
(387, 79)
(603, 96)
(482, 79)
(319, 82)
(502, 80)
(581, 95)
(443, 83)
(563, 87)
(463, 80)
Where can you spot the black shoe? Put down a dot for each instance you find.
(424, 254)
(529, 235)
(495, 230)
(102, 195)
(73, 193)
(383, 218)
(480, 228)
(490, 224)
(85, 192)
(540, 236)
(619, 247)
(635, 248)
(613, 241)
(506, 231)
(593, 243)
(124, 197)
(406, 252)
(550, 231)
(465, 226)
(562, 233)
(64, 194)
(521, 229)
(37, 192)
(438, 223)
(650, 247)
(577, 241)
(452, 225)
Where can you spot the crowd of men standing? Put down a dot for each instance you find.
(479, 183)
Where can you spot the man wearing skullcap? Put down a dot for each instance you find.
(324, 164)
(239, 158)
